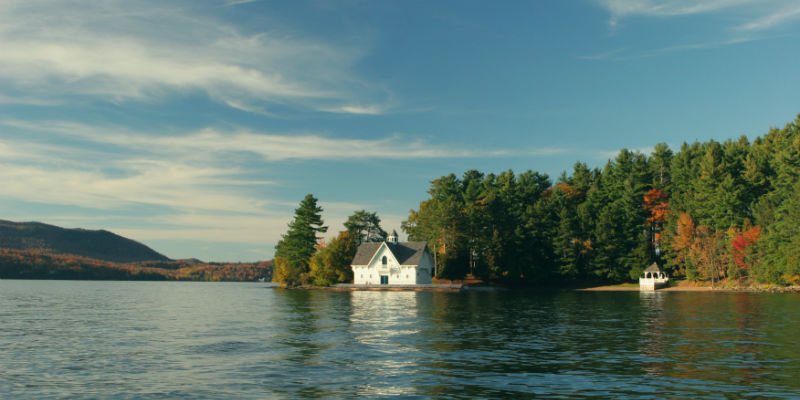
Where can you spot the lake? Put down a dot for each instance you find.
(140, 340)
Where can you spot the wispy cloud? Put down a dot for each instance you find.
(149, 51)
(774, 19)
(238, 2)
(28, 100)
(363, 110)
(252, 229)
(764, 14)
(269, 146)
(706, 45)
(631, 55)
(173, 185)
(622, 8)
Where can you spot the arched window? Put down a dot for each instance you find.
(383, 261)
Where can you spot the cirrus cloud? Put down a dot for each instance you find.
(212, 142)
(763, 14)
(147, 51)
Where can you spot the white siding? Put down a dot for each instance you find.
(398, 274)
(424, 270)
(371, 274)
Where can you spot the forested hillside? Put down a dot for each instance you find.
(709, 211)
(101, 245)
(31, 264)
(33, 250)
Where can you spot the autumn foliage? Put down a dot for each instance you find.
(655, 202)
(682, 241)
(657, 207)
(711, 210)
(742, 243)
(712, 254)
(33, 264)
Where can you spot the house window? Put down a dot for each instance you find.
(383, 260)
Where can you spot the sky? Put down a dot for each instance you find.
(196, 127)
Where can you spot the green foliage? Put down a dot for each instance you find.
(365, 226)
(302, 258)
(480, 224)
(331, 263)
(606, 225)
(293, 252)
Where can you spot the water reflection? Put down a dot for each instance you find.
(385, 326)
(652, 343)
(210, 341)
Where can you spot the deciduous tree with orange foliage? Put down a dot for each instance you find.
(743, 249)
(655, 203)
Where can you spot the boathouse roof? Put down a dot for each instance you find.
(406, 253)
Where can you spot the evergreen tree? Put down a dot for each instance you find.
(297, 245)
(660, 162)
(440, 221)
(568, 247)
(779, 209)
(475, 221)
(365, 226)
(709, 211)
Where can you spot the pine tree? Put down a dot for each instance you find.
(475, 221)
(365, 226)
(660, 163)
(297, 245)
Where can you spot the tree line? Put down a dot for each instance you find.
(709, 211)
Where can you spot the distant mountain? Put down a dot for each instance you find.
(100, 245)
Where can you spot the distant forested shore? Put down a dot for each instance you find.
(709, 212)
(33, 264)
(33, 250)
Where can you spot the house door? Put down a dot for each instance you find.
(384, 279)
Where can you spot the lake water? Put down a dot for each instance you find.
(79, 339)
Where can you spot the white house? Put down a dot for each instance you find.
(392, 263)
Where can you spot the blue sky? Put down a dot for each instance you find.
(196, 127)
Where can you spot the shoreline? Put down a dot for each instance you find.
(684, 286)
(349, 287)
(679, 286)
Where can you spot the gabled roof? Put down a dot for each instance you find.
(365, 252)
(406, 253)
(653, 268)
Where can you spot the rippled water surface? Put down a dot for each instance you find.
(78, 339)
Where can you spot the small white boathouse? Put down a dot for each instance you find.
(392, 263)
